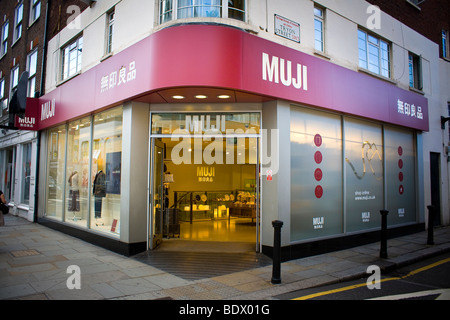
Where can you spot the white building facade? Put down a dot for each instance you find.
(320, 90)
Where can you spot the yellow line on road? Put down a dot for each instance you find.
(324, 293)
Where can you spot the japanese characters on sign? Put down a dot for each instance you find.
(409, 110)
(117, 78)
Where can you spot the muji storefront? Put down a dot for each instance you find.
(214, 141)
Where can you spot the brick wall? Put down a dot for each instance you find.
(430, 20)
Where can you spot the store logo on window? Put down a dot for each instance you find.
(369, 152)
(277, 69)
(318, 222)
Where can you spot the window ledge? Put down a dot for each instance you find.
(23, 207)
(370, 73)
(416, 91)
(61, 82)
(322, 54)
(107, 56)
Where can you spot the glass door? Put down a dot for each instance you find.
(156, 195)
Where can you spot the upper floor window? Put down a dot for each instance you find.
(415, 71)
(3, 100)
(18, 22)
(319, 39)
(31, 68)
(373, 54)
(71, 58)
(180, 9)
(445, 45)
(35, 11)
(109, 32)
(4, 39)
(14, 78)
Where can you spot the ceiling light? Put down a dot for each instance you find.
(178, 97)
(223, 96)
(201, 96)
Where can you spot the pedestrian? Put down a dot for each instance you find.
(4, 209)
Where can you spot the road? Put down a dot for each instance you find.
(425, 280)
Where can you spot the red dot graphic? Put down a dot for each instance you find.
(318, 157)
(319, 192)
(318, 174)
(318, 140)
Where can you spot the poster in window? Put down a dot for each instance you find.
(113, 171)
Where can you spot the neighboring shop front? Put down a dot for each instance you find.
(236, 127)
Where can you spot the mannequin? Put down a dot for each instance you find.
(74, 192)
(99, 192)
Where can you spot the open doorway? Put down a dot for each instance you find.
(205, 194)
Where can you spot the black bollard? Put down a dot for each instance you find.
(430, 239)
(383, 247)
(276, 270)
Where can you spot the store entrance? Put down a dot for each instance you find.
(204, 194)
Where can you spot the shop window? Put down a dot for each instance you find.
(319, 30)
(181, 9)
(364, 174)
(415, 71)
(18, 22)
(400, 175)
(26, 174)
(374, 54)
(32, 66)
(106, 171)
(4, 39)
(77, 172)
(71, 58)
(316, 174)
(55, 172)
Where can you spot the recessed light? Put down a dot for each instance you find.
(201, 96)
(178, 97)
(223, 96)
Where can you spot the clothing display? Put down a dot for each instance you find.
(74, 192)
(99, 192)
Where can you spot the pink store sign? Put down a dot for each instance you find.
(224, 57)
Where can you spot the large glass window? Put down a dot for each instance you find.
(77, 172)
(106, 171)
(181, 9)
(316, 174)
(55, 171)
(373, 54)
(26, 173)
(400, 175)
(364, 174)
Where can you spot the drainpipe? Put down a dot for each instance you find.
(41, 93)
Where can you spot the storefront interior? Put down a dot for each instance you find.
(209, 193)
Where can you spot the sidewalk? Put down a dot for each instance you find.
(34, 261)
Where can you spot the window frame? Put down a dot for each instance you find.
(415, 71)
(445, 44)
(35, 10)
(172, 10)
(382, 47)
(110, 31)
(18, 19)
(27, 150)
(4, 39)
(66, 73)
(3, 99)
(32, 75)
(321, 20)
